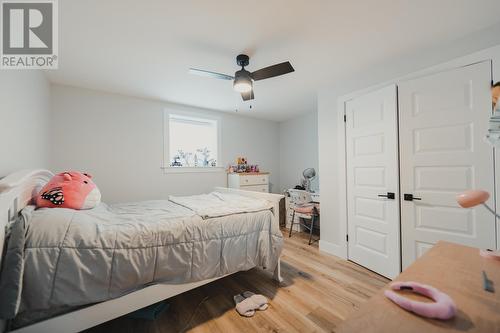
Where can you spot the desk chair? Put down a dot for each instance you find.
(302, 207)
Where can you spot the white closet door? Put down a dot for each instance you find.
(443, 119)
(372, 171)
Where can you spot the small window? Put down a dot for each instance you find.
(192, 141)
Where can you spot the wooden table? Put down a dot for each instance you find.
(452, 268)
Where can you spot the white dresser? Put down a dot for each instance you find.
(254, 181)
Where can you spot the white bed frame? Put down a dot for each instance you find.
(17, 191)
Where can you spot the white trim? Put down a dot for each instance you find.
(333, 249)
(99, 313)
(342, 180)
(192, 169)
(166, 144)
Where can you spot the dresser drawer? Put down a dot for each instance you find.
(254, 180)
(256, 188)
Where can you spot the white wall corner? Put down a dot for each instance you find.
(333, 249)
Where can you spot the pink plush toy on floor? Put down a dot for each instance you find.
(70, 189)
(443, 306)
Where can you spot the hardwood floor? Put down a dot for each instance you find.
(317, 293)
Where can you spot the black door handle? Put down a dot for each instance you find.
(389, 195)
(410, 197)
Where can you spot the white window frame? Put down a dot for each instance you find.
(166, 143)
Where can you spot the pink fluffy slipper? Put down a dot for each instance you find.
(248, 302)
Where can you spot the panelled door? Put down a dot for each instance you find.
(372, 181)
(443, 120)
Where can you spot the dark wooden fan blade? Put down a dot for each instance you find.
(248, 95)
(215, 75)
(272, 71)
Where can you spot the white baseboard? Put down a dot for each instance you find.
(334, 249)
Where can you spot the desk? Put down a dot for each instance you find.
(452, 268)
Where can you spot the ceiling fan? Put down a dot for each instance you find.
(243, 79)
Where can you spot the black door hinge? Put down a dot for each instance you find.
(345, 118)
(347, 238)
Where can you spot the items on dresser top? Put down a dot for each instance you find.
(249, 181)
(243, 166)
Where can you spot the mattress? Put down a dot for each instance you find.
(74, 258)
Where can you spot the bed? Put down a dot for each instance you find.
(119, 258)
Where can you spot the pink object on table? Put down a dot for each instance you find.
(472, 198)
(495, 255)
(443, 306)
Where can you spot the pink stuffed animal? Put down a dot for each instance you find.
(71, 189)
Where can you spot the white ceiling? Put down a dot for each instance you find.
(144, 48)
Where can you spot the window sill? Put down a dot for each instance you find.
(192, 169)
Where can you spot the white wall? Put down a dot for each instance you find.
(298, 149)
(119, 140)
(24, 120)
(329, 119)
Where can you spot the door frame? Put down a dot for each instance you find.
(341, 249)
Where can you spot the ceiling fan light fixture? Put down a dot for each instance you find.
(242, 87)
(243, 79)
(242, 83)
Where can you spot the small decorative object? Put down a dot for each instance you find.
(495, 95)
(176, 162)
(230, 169)
(206, 154)
(242, 166)
(493, 136)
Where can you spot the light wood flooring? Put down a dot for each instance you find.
(318, 292)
